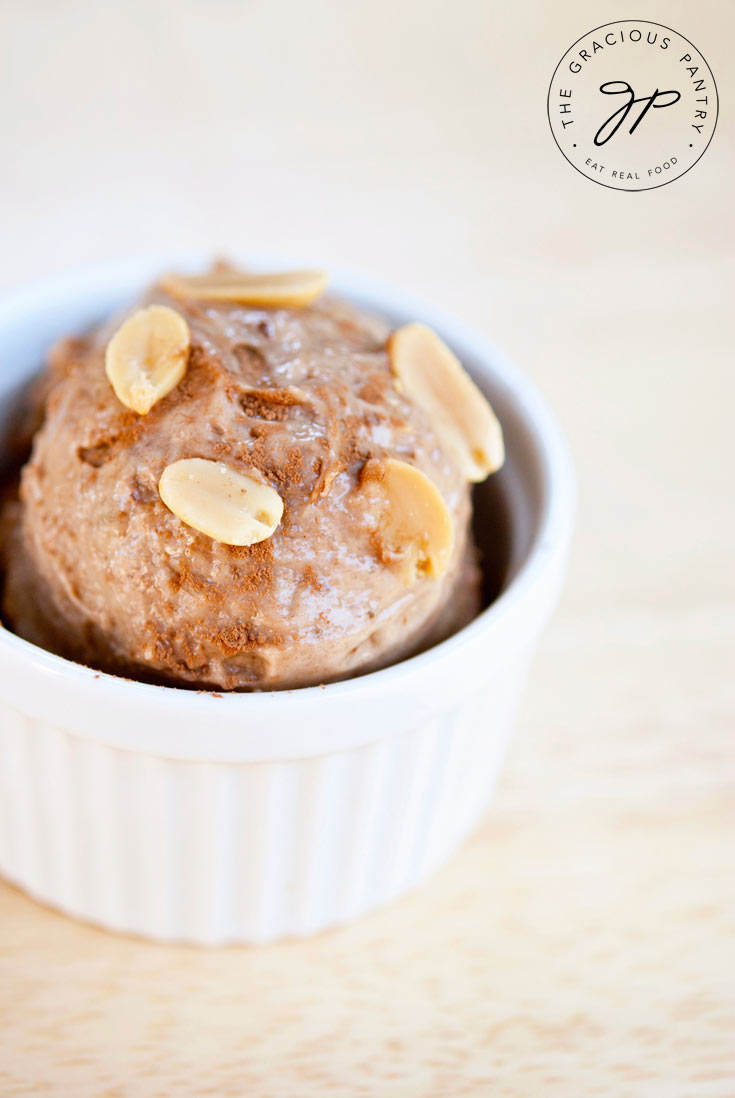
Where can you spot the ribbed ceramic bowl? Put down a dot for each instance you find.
(185, 816)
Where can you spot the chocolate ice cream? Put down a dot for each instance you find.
(262, 497)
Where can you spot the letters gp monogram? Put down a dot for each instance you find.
(632, 105)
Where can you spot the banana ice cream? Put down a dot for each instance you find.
(245, 484)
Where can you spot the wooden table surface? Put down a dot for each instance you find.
(581, 943)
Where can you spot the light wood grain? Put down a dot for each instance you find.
(582, 943)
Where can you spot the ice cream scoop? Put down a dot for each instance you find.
(231, 492)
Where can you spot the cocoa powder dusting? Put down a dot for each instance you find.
(243, 637)
(270, 404)
(294, 469)
(382, 553)
(121, 435)
(185, 578)
(253, 405)
(372, 470)
(311, 579)
(262, 430)
(259, 575)
(203, 370)
(288, 395)
(373, 391)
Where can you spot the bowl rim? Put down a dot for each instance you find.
(110, 709)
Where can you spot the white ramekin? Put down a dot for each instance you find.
(184, 816)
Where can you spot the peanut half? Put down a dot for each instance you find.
(430, 374)
(415, 528)
(147, 357)
(288, 289)
(228, 506)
